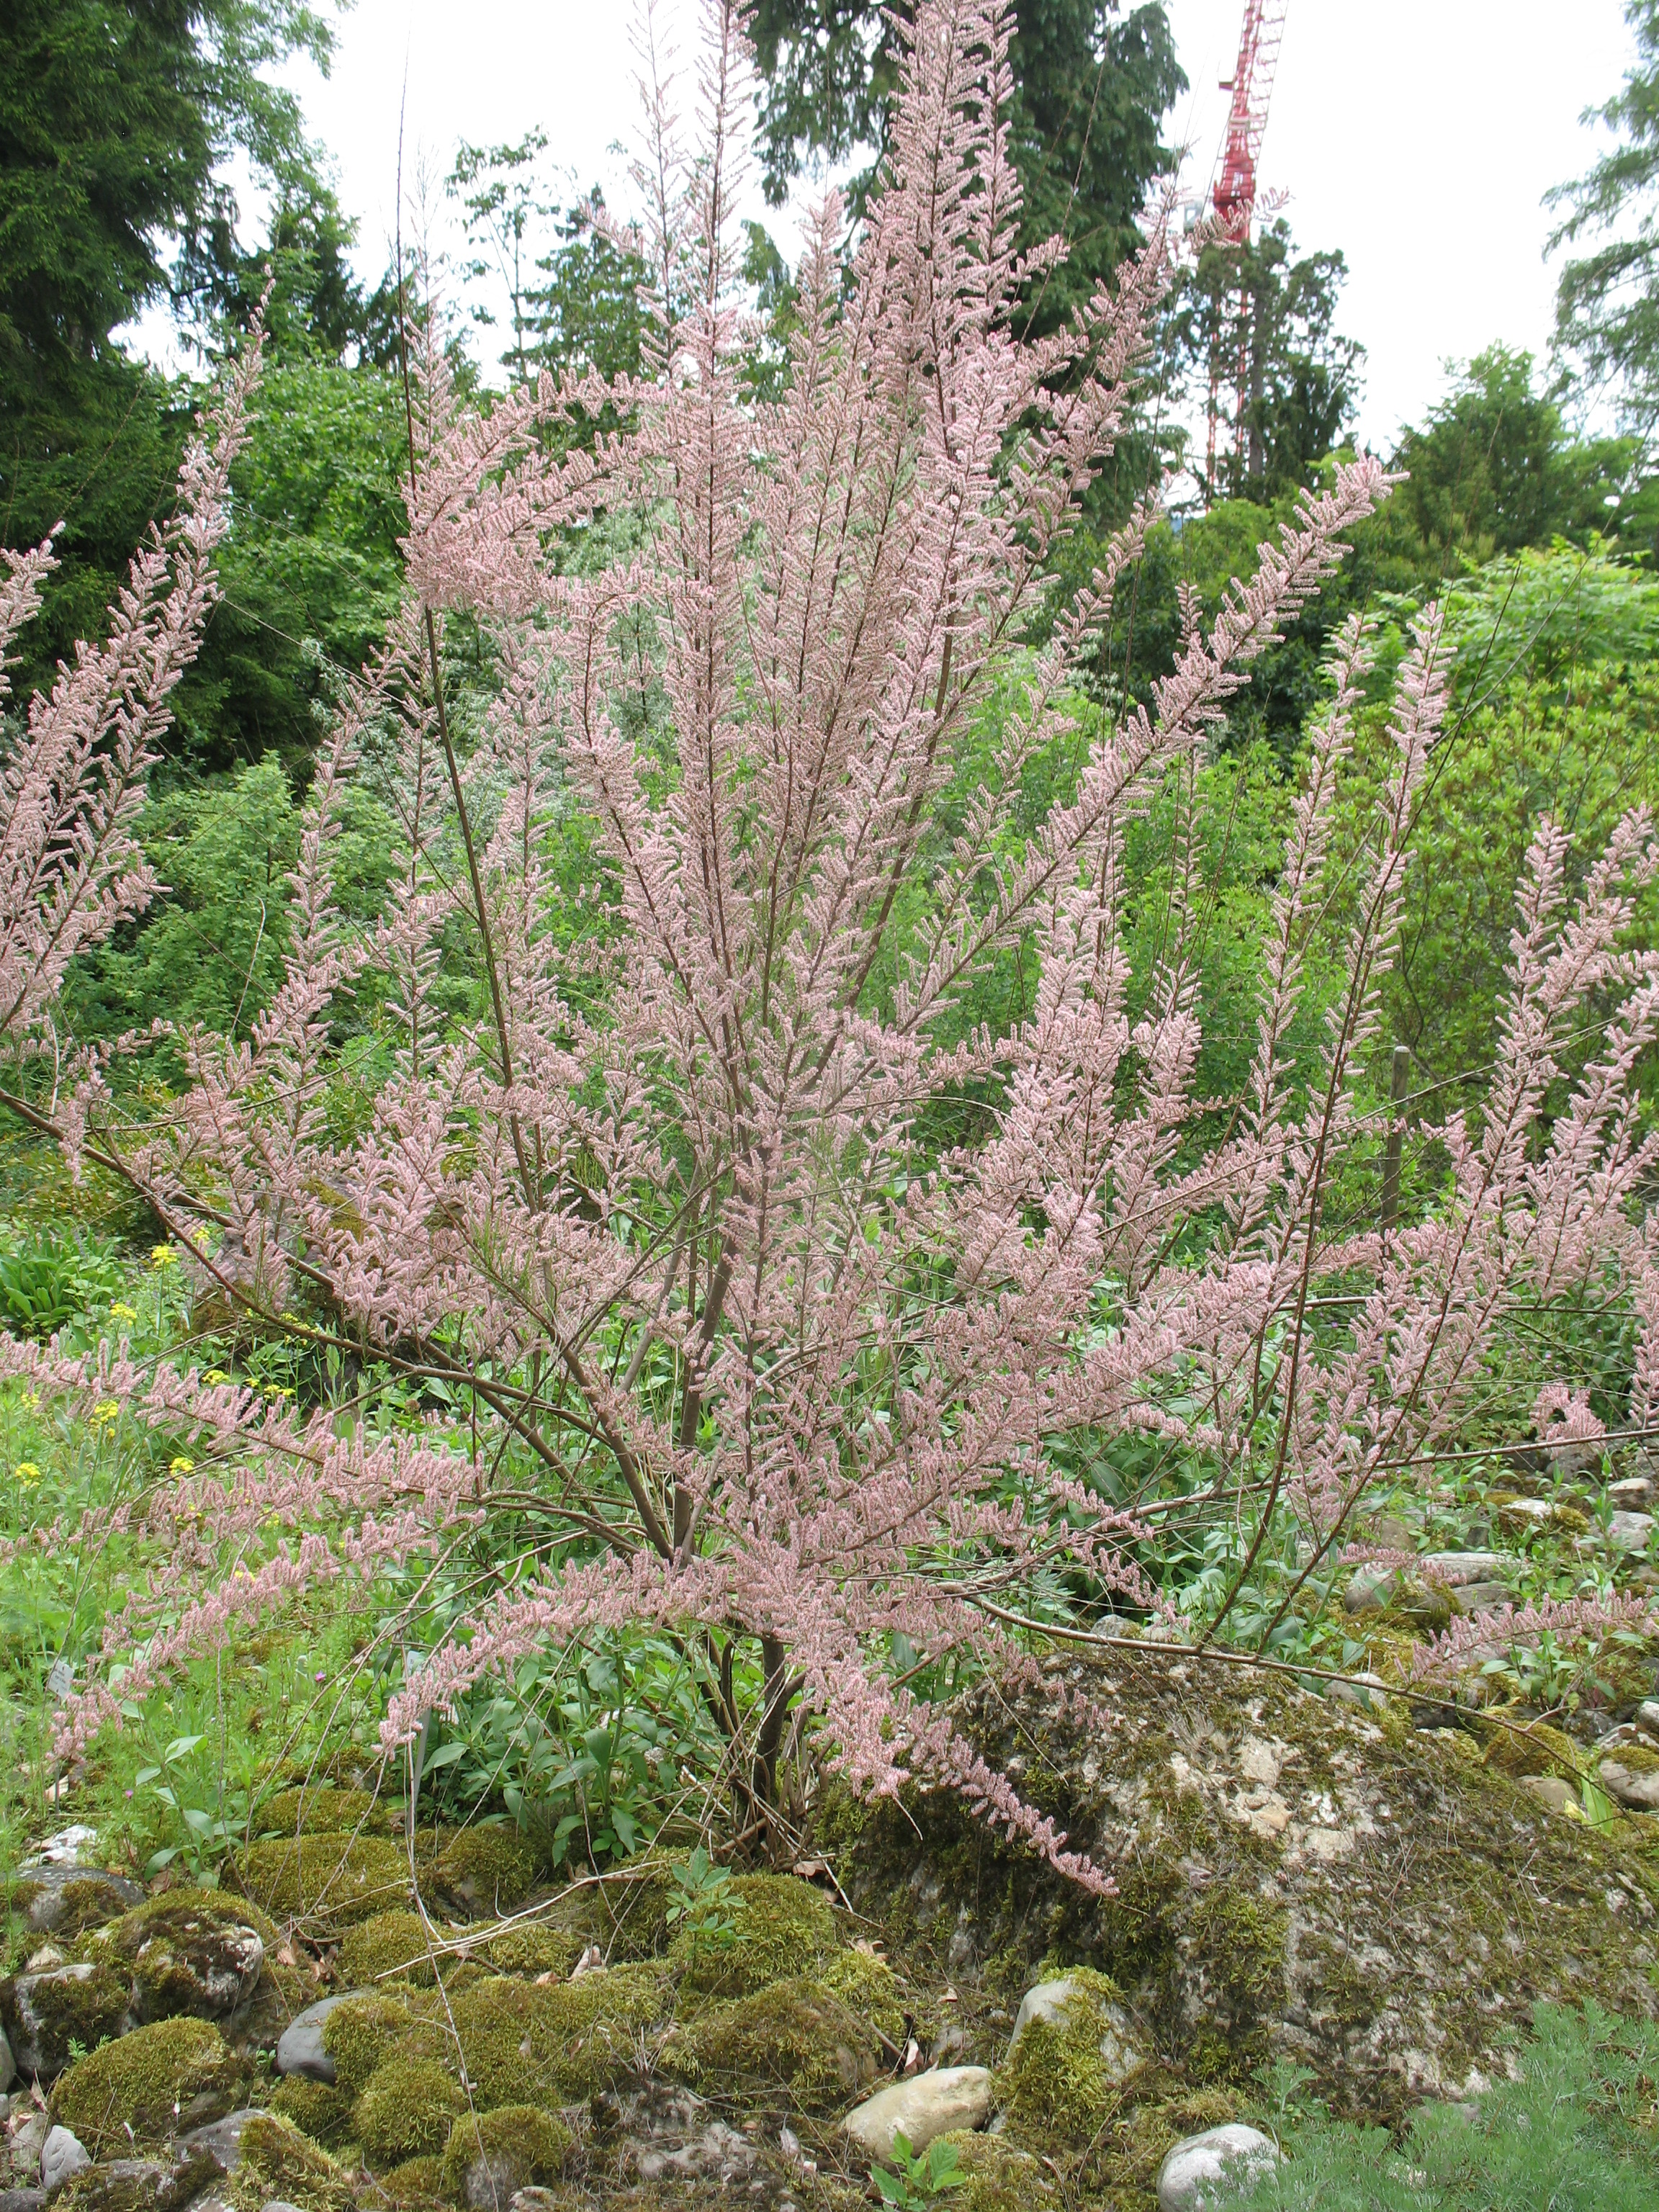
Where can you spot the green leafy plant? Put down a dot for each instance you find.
(47, 1281)
(916, 2180)
(209, 1832)
(704, 1907)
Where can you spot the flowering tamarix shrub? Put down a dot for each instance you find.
(667, 1223)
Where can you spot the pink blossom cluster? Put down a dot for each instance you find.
(782, 1368)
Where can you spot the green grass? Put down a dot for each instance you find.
(1578, 2131)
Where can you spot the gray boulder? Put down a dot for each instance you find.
(299, 2050)
(71, 1899)
(220, 2140)
(7, 2064)
(1211, 2169)
(44, 2014)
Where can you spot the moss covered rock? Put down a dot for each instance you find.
(416, 2181)
(780, 1929)
(528, 1950)
(362, 2032)
(626, 1913)
(49, 2016)
(190, 1953)
(406, 2111)
(492, 2155)
(557, 2042)
(278, 2162)
(159, 2081)
(867, 1985)
(321, 1808)
(1073, 2048)
(137, 2184)
(795, 2038)
(335, 1881)
(1516, 1745)
(318, 2109)
(480, 1870)
(387, 1946)
(66, 1901)
(1000, 2176)
(1296, 1879)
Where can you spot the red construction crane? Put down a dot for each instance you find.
(1234, 199)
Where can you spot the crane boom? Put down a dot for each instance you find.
(1233, 198)
(1252, 88)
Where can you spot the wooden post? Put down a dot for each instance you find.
(1398, 1077)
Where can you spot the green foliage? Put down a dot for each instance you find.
(916, 2180)
(211, 949)
(704, 1913)
(117, 119)
(584, 1749)
(1607, 310)
(48, 1279)
(1091, 89)
(1302, 379)
(1493, 469)
(1578, 2132)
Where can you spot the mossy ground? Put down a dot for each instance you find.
(794, 2039)
(517, 2147)
(323, 1809)
(406, 2111)
(395, 1946)
(333, 1880)
(277, 2162)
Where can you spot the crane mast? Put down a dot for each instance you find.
(1234, 203)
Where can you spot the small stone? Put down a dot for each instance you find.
(1632, 1493)
(1640, 1791)
(8, 2068)
(21, 2200)
(1358, 1692)
(1207, 2169)
(1481, 1597)
(281, 2204)
(1647, 1716)
(61, 2155)
(1455, 1569)
(299, 2050)
(926, 2106)
(1370, 1589)
(68, 1848)
(1629, 1532)
(221, 2140)
(25, 2145)
(1550, 1790)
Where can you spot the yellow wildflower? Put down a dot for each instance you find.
(105, 1413)
(181, 1466)
(163, 1256)
(119, 1311)
(26, 1472)
(216, 1374)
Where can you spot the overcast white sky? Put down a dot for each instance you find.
(1419, 136)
